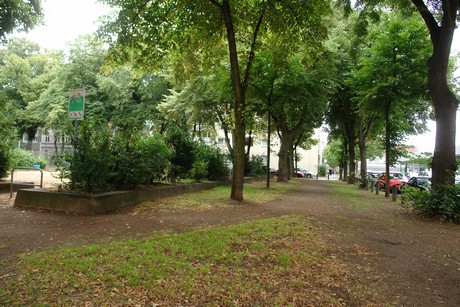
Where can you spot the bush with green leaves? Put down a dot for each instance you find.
(322, 170)
(92, 164)
(255, 166)
(216, 168)
(184, 153)
(199, 170)
(443, 204)
(102, 161)
(24, 158)
(155, 155)
(4, 160)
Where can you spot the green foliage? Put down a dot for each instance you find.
(199, 170)
(128, 170)
(155, 155)
(443, 204)
(214, 159)
(322, 170)
(184, 156)
(92, 164)
(19, 15)
(102, 161)
(255, 166)
(24, 158)
(4, 160)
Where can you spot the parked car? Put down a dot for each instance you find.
(396, 179)
(373, 174)
(300, 172)
(422, 183)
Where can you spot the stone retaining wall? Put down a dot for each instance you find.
(90, 204)
(5, 186)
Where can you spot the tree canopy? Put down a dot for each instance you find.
(19, 15)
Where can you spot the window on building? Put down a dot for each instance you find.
(220, 142)
(46, 138)
(263, 143)
(25, 138)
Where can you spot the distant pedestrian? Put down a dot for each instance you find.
(330, 171)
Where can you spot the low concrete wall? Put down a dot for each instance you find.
(5, 186)
(91, 204)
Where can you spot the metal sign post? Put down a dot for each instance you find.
(77, 104)
(76, 109)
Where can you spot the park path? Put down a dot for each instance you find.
(416, 260)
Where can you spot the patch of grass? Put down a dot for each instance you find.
(349, 193)
(254, 192)
(278, 261)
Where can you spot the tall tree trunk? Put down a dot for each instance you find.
(31, 132)
(444, 101)
(239, 107)
(350, 130)
(363, 134)
(344, 159)
(283, 162)
(363, 159)
(445, 107)
(388, 153)
(239, 89)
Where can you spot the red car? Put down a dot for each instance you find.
(396, 179)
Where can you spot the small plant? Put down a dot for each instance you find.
(322, 170)
(183, 158)
(92, 164)
(24, 158)
(4, 160)
(443, 204)
(199, 170)
(214, 159)
(255, 166)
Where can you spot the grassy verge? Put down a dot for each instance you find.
(268, 262)
(254, 192)
(352, 196)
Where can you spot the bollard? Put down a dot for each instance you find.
(372, 187)
(327, 176)
(394, 189)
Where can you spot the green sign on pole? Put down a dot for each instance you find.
(77, 104)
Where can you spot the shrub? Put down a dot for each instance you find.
(155, 156)
(215, 161)
(92, 164)
(322, 170)
(255, 166)
(443, 204)
(4, 160)
(24, 158)
(183, 157)
(102, 162)
(199, 170)
(128, 164)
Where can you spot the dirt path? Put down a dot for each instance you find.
(416, 262)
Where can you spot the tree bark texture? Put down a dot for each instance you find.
(444, 101)
(239, 106)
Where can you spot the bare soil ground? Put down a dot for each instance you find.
(416, 261)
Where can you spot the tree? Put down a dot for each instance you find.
(19, 15)
(391, 82)
(25, 74)
(440, 18)
(153, 29)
